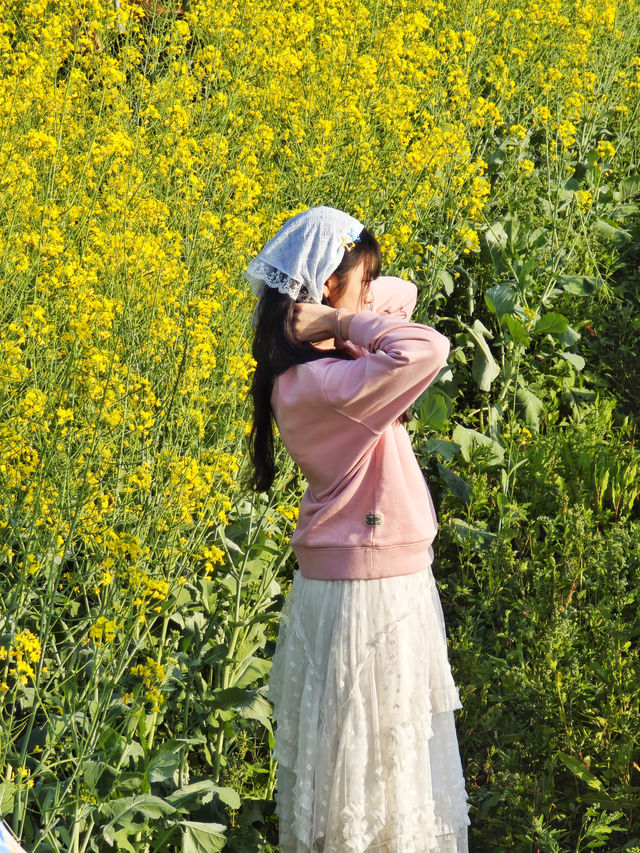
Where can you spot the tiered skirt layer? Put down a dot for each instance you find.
(363, 695)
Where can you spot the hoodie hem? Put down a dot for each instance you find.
(363, 562)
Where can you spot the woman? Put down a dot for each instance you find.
(363, 694)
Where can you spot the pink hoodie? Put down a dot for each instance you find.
(367, 512)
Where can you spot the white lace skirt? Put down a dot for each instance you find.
(365, 739)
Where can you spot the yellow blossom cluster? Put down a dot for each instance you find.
(288, 512)
(24, 651)
(146, 155)
(584, 200)
(103, 630)
(152, 674)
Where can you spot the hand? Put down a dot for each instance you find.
(313, 322)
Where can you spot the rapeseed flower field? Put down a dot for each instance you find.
(147, 150)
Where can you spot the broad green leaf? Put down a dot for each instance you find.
(575, 396)
(254, 669)
(484, 368)
(579, 285)
(97, 775)
(255, 811)
(512, 228)
(233, 697)
(202, 837)
(583, 773)
(551, 323)
(228, 582)
(125, 808)
(445, 280)
(446, 449)
(456, 485)
(622, 211)
(163, 764)
(530, 406)
(129, 782)
(7, 793)
(501, 299)
(517, 331)
(259, 710)
(121, 838)
(468, 439)
(254, 640)
(435, 408)
(466, 532)
(215, 653)
(569, 338)
(495, 160)
(493, 241)
(132, 750)
(192, 796)
(629, 187)
(573, 358)
(537, 238)
(494, 420)
(611, 235)
(522, 271)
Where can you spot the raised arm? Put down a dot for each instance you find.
(404, 359)
(391, 295)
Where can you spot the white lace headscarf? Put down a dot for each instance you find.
(303, 254)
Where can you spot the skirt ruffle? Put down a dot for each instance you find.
(365, 740)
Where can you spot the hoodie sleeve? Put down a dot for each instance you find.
(404, 359)
(392, 295)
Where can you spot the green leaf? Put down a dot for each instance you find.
(495, 416)
(501, 299)
(163, 764)
(132, 750)
(495, 160)
(202, 837)
(129, 782)
(254, 669)
(579, 285)
(574, 359)
(537, 238)
(259, 710)
(121, 838)
(611, 235)
(551, 324)
(466, 532)
(629, 187)
(517, 331)
(569, 338)
(232, 697)
(469, 439)
(583, 773)
(512, 229)
(622, 211)
(435, 408)
(191, 797)
(215, 652)
(484, 368)
(445, 280)
(493, 241)
(98, 776)
(530, 406)
(456, 485)
(7, 794)
(122, 810)
(447, 449)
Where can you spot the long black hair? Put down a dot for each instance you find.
(276, 348)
